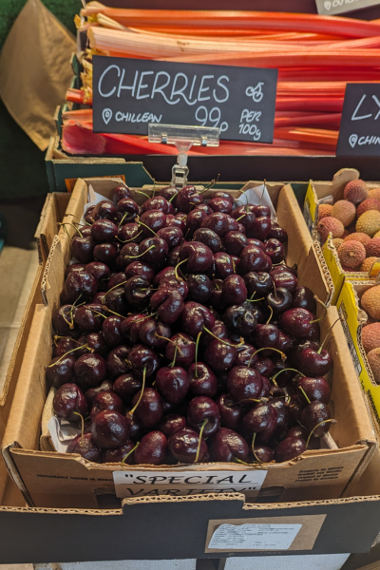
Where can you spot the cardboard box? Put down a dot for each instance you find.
(319, 473)
(329, 192)
(353, 319)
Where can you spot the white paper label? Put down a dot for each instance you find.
(140, 483)
(254, 536)
(61, 433)
(256, 196)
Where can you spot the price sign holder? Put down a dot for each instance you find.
(183, 137)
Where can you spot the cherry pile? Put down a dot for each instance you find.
(183, 336)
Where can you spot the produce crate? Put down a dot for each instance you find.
(321, 473)
(353, 319)
(329, 192)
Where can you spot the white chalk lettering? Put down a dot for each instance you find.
(143, 85)
(224, 87)
(378, 104)
(101, 81)
(181, 90)
(127, 87)
(203, 89)
(161, 88)
(355, 117)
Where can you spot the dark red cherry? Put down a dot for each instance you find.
(168, 303)
(118, 455)
(89, 317)
(81, 286)
(314, 388)
(234, 290)
(139, 269)
(184, 446)
(275, 249)
(137, 292)
(289, 448)
(203, 381)
(105, 252)
(172, 383)
(260, 283)
(120, 192)
(194, 221)
(152, 449)
(82, 248)
(61, 370)
(230, 413)
(117, 361)
(131, 232)
(252, 258)
(128, 210)
(260, 418)
(226, 445)
(153, 251)
(104, 231)
(149, 410)
(171, 423)
(109, 429)
(154, 333)
(244, 384)
(187, 198)
(220, 204)
(199, 288)
(203, 412)
(141, 357)
(182, 347)
(304, 297)
(195, 317)
(199, 257)
(220, 356)
(173, 236)
(91, 393)
(69, 402)
(217, 222)
(126, 386)
(90, 369)
(106, 401)
(223, 265)
(208, 237)
(85, 446)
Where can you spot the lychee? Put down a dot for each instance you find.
(374, 362)
(324, 210)
(371, 336)
(371, 302)
(368, 223)
(363, 238)
(355, 191)
(374, 193)
(373, 247)
(328, 225)
(369, 204)
(344, 211)
(351, 253)
(367, 264)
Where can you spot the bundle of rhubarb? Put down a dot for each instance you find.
(316, 56)
(187, 350)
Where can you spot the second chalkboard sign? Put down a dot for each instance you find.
(128, 94)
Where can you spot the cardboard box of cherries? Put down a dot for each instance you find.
(183, 336)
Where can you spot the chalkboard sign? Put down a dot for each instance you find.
(333, 7)
(128, 94)
(359, 133)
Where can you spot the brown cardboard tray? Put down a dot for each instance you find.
(322, 473)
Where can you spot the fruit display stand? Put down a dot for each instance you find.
(47, 476)
(353, 319)
(328, 193)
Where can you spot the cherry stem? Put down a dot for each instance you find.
(81, 423)
(147, 227)
(255, 300)
(71, 324)
(143, 318)
(97, 312)
(132, 411)
(177, 266)
(141, 254)
(284, 370)
(196, 353)
(169, 340)
(122, 220)
(200, 441)
(271, 315)
(113, 312)
(222, 339)
(143, 193)
(243, 462)
(172, 364)
(283, 355)
(172, 198)
(305, 395)
(130, 453)
(327, 336)
(253, 448)
(241, 217)
(112, 288)
(130, 239)
(69, 352)
(325, 308)
(315, 427)
(72, 225)
(245, 400)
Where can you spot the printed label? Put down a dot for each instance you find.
(135, 483)
(254, 536)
